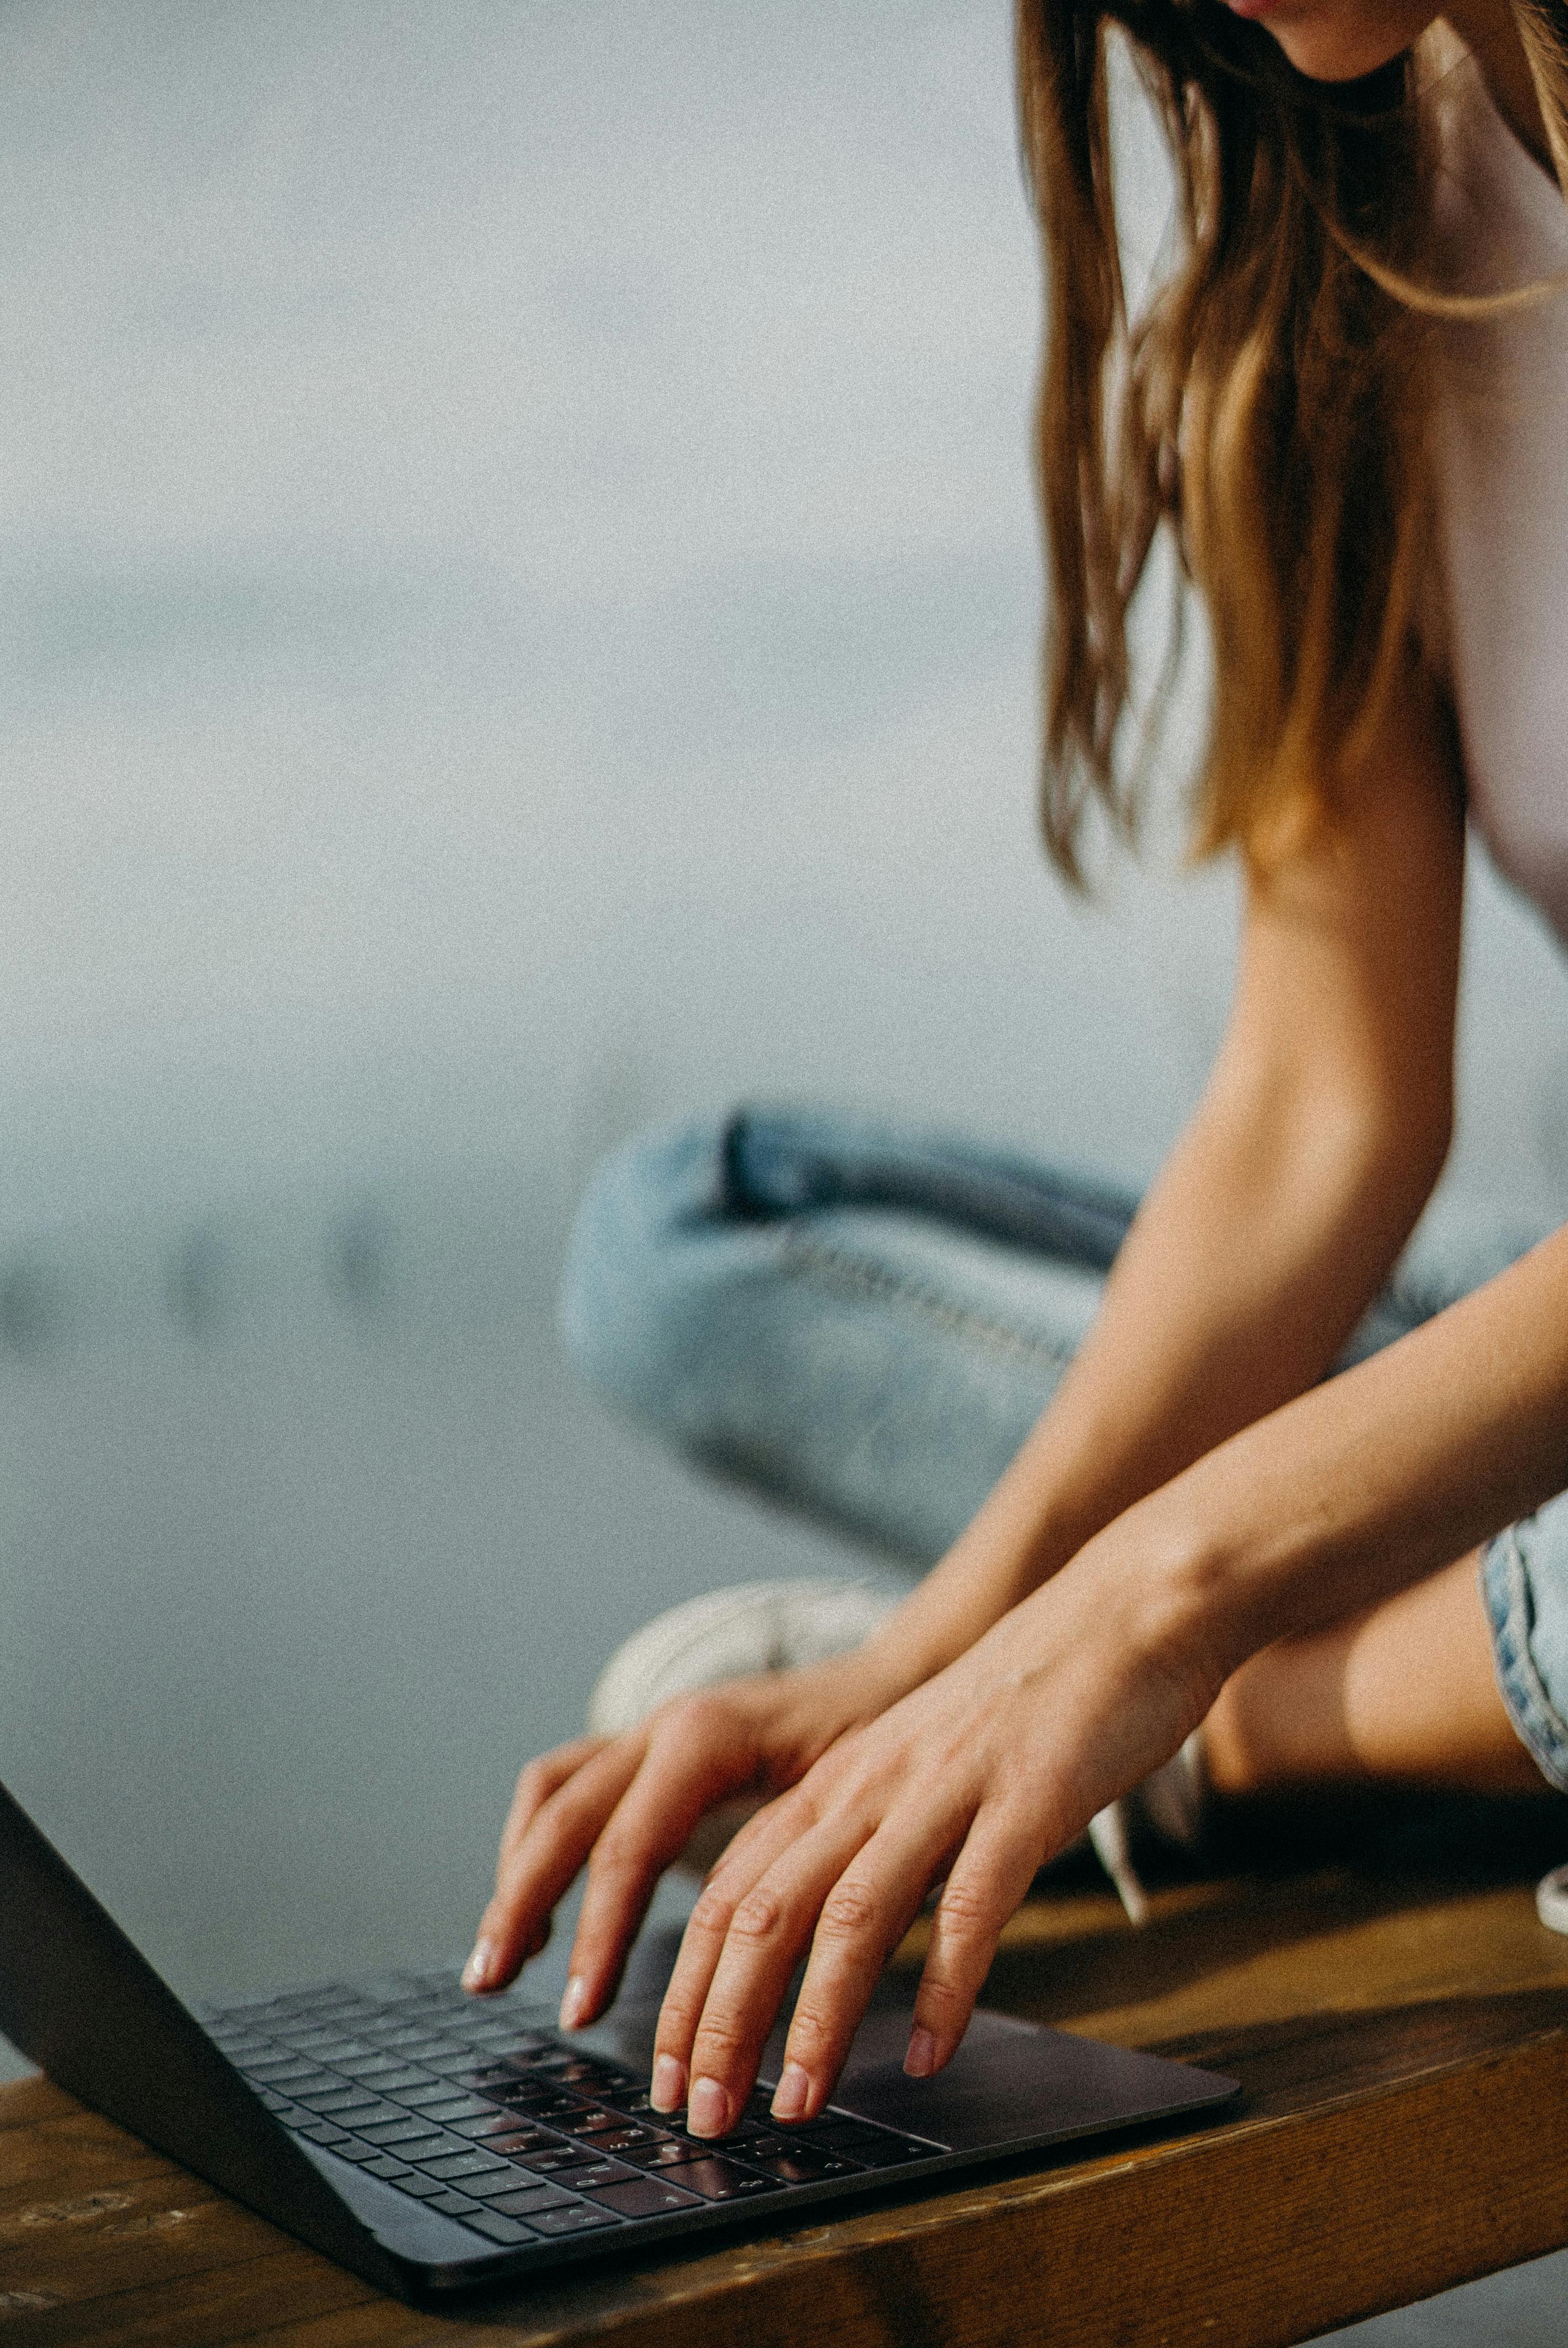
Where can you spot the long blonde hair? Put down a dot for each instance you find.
(1265, 403)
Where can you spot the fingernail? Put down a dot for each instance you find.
(708, 2112)
(668, 2092)
(921, 2059)
(574, 2004)
(792, 2094)
(481, 1964)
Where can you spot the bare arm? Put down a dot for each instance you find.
(1340, 1498)
(1281, 1210)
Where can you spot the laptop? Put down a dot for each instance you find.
(434, 2142)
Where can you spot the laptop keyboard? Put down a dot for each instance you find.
(481, 2111)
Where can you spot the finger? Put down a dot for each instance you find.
(781, 1825)
(698, 1751)
(986, 1884)
(769, 1928)
(761, 1839)
(537, 1782)
(864, 1916)
(558, 1839)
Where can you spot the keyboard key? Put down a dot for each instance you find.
(717, 2180)
(582, 2217)
(500, 2230)
(459, 2107)
(502, 2120)
(321, 2132)
(556, 2111)
(452, 2205)
(422, 2189)
(800, 2164)
(645, 2197)
(742, 2131)
(387, 2167)
(419, 2148)
(668, 2153)
(515, 2093)
(569, 2155)
(453, 2169)
(357, 2117)
(492, 2190)
(402, 2130)
(596, 2173)
(593, 2121)
(295, 2084)
(633, 2141)
(527, 2205)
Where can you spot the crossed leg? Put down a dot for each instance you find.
(1402, 1693)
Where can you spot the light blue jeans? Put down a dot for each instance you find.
(864, 1322)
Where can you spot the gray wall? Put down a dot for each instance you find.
(521, 595)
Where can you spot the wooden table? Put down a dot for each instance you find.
(1400, 2030)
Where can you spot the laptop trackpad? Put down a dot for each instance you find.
(1009, 2082)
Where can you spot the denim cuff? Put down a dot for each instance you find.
(1509, 1596)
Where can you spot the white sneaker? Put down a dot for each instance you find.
(1551, 1900)
(760, 1626)
(1172, 1805)
(777, 1626)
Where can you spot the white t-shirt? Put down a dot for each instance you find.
(1501, 455)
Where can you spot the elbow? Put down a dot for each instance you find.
(1420, 1131)
(1366, 1155)
(1397, 1154)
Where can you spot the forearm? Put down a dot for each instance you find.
(1371, 1481)
(1266, 1236)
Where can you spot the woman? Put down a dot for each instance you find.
(1207, 1548)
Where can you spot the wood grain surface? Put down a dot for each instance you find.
(1402, 2034)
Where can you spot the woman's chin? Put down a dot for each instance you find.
(1326, 61)
(1329, 44)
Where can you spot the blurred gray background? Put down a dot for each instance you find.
(521, 595)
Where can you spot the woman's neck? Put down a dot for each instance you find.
(1488, 31)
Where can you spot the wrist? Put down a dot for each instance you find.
(816, 1703)
(886, 1667)
(1165, 1570)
